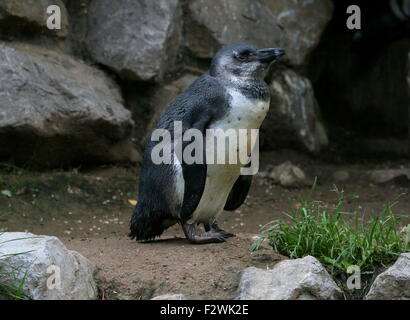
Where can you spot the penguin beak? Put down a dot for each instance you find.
(269, 54)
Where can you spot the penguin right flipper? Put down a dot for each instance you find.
(238, 193)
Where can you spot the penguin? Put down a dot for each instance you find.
(232, 94)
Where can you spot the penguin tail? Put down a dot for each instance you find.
(145, 224)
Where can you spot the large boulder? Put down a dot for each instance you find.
(303, 22)
(139, 39)
(394, 283)
(295, 25)
(32, 15)
(58, 111)
(50, 271)
(299, 279)
(294, 115)
(212, 24)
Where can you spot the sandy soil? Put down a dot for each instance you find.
(89, 210)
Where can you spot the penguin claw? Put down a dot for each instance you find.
(207, 237)
(194, 237)
(202, 239)
(226, 234)
(213, 227)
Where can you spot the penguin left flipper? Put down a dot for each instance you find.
(200, 111)
(238, 193)
(194, 176)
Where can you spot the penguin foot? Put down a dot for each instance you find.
(226, 234)
(192, 234)
(213, 227)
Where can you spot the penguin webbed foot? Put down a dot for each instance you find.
(213, 227)
(194, 236)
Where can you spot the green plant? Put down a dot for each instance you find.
(336, 237)
(11, 279)
(11, 287)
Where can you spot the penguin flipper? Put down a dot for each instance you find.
(238, 193)
(194, 177)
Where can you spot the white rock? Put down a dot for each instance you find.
(39, 258)
(299, 279)
(178, 296)
(288, 175)
(341, 175)
(394, 283)
(387, 175)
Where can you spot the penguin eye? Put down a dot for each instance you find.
(243, 56)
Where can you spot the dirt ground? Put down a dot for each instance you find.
(90, 210)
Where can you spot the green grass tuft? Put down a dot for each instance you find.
(11, 282)
(338, 238)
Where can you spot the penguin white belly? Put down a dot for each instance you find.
(244, 113)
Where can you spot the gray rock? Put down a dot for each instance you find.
(212, 24)
(303, 22)
(38, 259)
(295, 25)
(341, 175)
(57, 111)
(387, 175)
(299, 279)
(288, 175)
(170, 297)
(31, 14)
(394, 283)
(294, 116)
(137, 39)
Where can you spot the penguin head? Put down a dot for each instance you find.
(243, 61)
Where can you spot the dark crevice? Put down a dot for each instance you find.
(360, 82)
